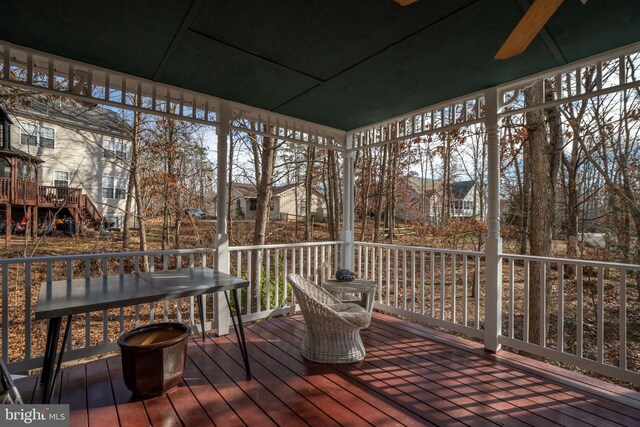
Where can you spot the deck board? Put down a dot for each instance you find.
(411, 376)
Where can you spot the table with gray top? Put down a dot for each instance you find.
(366, 289)
(65, 298)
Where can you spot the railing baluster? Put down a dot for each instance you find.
(512, 306)
(422, 282)
(251, 284)
(443, 282)
(395, 278)
(465, 293)
(286, 271)
(432, 282)
(600, 317)
(560, 343)
(388, 284)
(476, 286)
(276, 261)
(579, 313)
(5, 301)
(543, 304)
(404, 279)
(27, 314)
(267, 280)
(525, 327)
(453, 288)
(623, 319)
(413, 281)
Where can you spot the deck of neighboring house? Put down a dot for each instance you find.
(37, 199)
(411, 375)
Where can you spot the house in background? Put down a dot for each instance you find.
(292, 204)
(423, 198)
(71, 161)
(288, 202)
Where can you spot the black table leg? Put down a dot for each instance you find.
(49, 368)
(51, 327)
(243, 342)
(201, 312)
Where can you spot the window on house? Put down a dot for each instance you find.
(113, 187)
(29, 135)
(253, 204)
(114, 221)
(61, 178)
(114, 149)
(303, 207)
(38, 135)
(47, 137)
(26, 171)
(5, 168)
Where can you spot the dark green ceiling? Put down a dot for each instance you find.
(341, 63)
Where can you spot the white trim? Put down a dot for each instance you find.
(96, 84)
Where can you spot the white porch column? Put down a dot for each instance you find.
(348, 205)
(222, 261)
(493, 260)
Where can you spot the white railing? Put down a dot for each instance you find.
(93, 333)
(577, 325)
(266, 267)
(439, 286)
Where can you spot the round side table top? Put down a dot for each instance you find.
(356, 285)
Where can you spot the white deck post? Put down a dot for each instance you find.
(493, 260)
(348, 205)
(221, 319)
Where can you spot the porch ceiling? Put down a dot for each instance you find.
(339, 63)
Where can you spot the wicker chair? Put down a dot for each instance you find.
(332, 328)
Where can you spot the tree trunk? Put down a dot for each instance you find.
(263, 202)
(365, 189)
(545, 160)
(379, 195)
(133, 172)
(308, 191)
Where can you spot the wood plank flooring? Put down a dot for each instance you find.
(411, 376)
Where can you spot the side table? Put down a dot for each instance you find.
(366, 288)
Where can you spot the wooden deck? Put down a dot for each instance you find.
(411, 376)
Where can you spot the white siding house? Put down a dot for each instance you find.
(81, 147)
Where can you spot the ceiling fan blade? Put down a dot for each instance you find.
(528, 28)
(405, 2)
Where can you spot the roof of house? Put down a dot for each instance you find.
(249, 190)
(460, 189)
(14, 152)
(4, 117)
(418, 184)
(246, 190)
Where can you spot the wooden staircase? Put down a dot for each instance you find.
(88, 214)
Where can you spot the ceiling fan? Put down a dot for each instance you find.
(527, 29)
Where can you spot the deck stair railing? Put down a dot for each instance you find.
(89, 213)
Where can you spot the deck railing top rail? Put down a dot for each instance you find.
(53, 258)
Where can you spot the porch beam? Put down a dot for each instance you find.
(222, 257)
(493, 260)
(30, 69)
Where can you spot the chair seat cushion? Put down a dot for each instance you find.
(354, 313)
